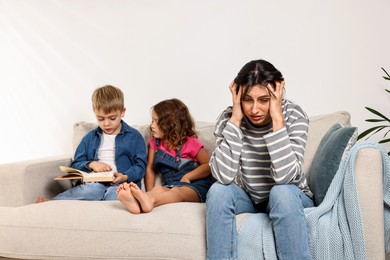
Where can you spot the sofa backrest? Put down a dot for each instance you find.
(205, 130)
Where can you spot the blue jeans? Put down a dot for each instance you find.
(285, 209)
(89, 191)
(172, 170)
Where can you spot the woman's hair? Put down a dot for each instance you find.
(257, 72)
(107, 98)
(174, 121)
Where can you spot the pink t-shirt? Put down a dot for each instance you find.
(189, 150)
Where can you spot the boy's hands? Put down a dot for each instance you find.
(119, 178)
(99, 166)
(103, 167)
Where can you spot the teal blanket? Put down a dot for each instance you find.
(335, 226)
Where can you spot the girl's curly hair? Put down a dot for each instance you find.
(174, 121)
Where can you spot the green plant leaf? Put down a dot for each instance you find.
(384, 141)
(386, 133)
(382, 119)
(375, 120)
(388, 76)
(377, 113)
(374, 129)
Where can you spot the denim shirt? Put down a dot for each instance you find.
(130, 152)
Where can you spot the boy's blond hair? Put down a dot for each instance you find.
(107, 98)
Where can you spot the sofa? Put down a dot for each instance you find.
(105, 230)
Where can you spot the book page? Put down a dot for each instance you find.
(85, 176)
(98, 176)
(71, 170)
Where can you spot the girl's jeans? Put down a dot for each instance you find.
(89, 191)
(285, 209)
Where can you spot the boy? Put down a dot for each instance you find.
(113, 145)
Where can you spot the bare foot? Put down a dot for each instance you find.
(123, 186)
(41, 199)
(143, 198)
(127, 199)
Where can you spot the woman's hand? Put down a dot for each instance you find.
(237, 114)
(275, 108)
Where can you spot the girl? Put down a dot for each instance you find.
(176, 153)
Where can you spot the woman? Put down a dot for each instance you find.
(260, 143)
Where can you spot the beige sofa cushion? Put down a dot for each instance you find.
(102, 230)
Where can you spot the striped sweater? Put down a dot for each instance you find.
(255, 158)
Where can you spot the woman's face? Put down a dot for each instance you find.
(255, 105)
(156, 132)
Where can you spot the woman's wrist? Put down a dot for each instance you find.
(277, 123)
(235, 121)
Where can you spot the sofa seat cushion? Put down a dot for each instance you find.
(102, 229)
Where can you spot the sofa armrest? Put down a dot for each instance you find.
(22, 182)
(369, 184)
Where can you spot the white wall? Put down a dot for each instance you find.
(53, 54)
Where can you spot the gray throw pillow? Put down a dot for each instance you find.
(335, 143)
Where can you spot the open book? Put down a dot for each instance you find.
(75, 174)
